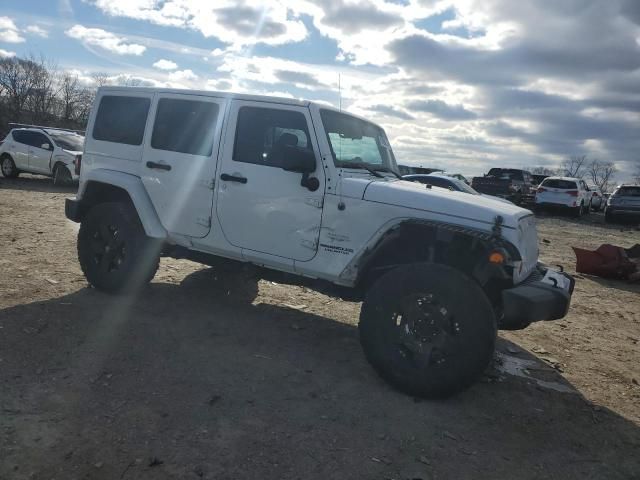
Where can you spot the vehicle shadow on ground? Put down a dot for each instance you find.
(201, 380)
(613, 283)
(36, 183)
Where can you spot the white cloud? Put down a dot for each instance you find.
(234, 23)
(37, 30)
(101, 38)
(182, 75)
(9, 31)
(6, 53)
(163, 64)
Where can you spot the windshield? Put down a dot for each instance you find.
(68, 141)
(466, 188)
(356, 143)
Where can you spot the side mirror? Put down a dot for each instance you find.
(45, 146)
(297, 160)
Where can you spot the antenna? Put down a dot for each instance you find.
(339, 93)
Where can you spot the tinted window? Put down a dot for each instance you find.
(121, 119)
(628, 192)
(555, 183)
(19, 136)
(36, 139)
(262, 132)
(506, 174)
(185, 126)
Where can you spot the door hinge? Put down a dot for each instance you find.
(315, 201)
(204, 221)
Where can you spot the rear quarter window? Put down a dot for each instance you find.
(121, 119)
(628, 192)
(185, 126)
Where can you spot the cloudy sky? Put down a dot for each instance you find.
(458, 84)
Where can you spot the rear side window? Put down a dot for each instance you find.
(261, 131)
(564, 184)
(121, 119)
(19, 136)
(185, 126)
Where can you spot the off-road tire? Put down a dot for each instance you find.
(61, 175)
(114, 253)
(8, 167)
(385, 325)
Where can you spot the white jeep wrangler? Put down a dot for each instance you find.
(302, 188)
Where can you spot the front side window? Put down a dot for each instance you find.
(263, 133)
(185, 126)
(356, 143)
(121, 119)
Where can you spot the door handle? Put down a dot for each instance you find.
(232, 178)
(159, 166)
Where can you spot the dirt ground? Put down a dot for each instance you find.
(212, 374)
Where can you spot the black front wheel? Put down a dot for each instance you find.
(114, 252)
(428, 329)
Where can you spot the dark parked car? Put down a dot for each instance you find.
(509, 183)
(445, 181)
(623, 202)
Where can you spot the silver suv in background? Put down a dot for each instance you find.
(45, 151)
(623, 202)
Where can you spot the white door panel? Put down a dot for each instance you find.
(179, 160)
(20, 154)
(262, 207)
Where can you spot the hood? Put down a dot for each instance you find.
(478, 208)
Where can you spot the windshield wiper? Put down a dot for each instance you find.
(367, 168)
(388, 170)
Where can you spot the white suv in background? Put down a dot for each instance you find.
(564, 192)
(45, 151)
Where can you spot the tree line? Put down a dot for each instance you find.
(600, 173)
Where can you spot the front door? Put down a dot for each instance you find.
(39, 158)
(260, 206)
(179, 160)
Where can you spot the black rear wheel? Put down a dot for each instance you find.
(113, 250)
(428, 329)
(8, 167)
(61, 175)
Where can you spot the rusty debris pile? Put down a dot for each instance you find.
(610, 261)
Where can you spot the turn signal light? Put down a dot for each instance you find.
(497, 258)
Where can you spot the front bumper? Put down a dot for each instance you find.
(534, 300)
(72, 209)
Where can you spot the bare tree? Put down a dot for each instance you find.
(601, 174)
(544, 171)
(575, 166)
(19, 79)
(100, 79)
(636, 175)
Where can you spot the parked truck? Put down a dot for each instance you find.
(302, 188)
(509, 183)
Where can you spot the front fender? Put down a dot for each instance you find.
(134, 187)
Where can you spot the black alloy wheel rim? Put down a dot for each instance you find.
(425, 330)
(108, 248)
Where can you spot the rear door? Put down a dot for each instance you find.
(261, 207)
(20, 148)
(179, 160)
(39, 158)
